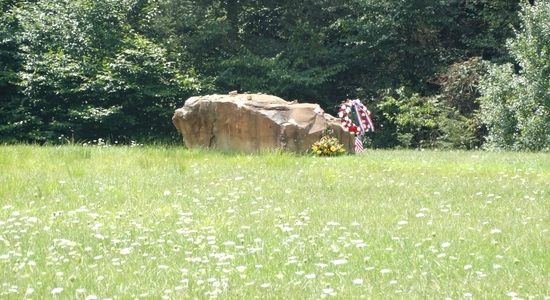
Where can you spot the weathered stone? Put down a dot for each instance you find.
(250, 123)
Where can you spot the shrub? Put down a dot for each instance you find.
(515, 104)
(426, 122)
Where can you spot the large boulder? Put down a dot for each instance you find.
(250, 122)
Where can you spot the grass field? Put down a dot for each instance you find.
(168, 223)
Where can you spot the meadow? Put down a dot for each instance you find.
(170, 223)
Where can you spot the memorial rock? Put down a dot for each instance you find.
(251, 122)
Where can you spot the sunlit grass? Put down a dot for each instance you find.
(154, 222)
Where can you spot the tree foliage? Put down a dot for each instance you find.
(85, 73)
(9, 66)
(516, 104)
(424, 122)
(117, 68)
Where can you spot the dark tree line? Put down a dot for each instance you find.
(116, 69)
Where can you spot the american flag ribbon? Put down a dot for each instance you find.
(357, 105)
(360, 108)
(358, 144)
(369, 120)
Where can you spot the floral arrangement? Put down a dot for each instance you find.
(328, 146)
(363, 115)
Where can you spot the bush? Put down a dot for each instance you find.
(426, 122)
(515, 105)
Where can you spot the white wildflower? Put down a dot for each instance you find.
(125, 251)
(339, 261)
(241, 268)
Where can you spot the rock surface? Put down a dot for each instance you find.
(251, 122)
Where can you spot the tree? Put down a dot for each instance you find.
(9, 66)
(483, 26)
(326, 52)
(515, 105)
(286, 48)
(85, 64)
(87, 74)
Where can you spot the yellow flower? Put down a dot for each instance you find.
(327, 146)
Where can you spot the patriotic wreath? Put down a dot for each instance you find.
(363, 115)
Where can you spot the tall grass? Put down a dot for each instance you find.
(154, 222)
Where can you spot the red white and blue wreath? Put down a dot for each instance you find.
(363, 116)
(362, 113)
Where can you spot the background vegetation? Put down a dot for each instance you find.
(116, 69)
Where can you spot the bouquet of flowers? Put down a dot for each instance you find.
(328, 146)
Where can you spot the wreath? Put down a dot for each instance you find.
(363, 115)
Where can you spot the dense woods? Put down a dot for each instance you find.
(434, 73)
